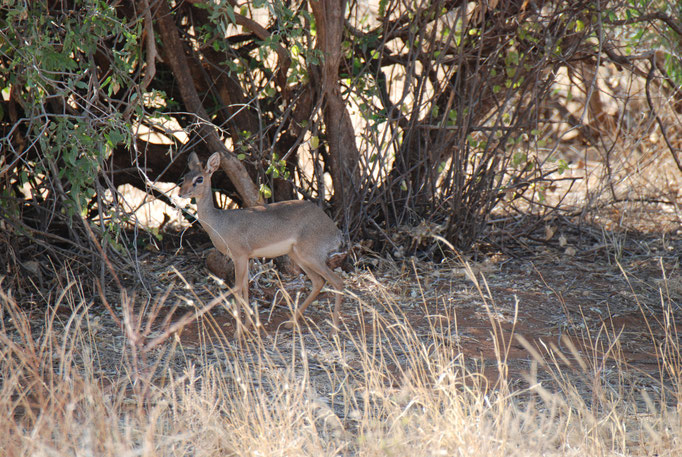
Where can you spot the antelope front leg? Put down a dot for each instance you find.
(241, 292)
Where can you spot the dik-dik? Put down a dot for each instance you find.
(297, 228)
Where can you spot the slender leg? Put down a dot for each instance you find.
(252, 318)
(241, 284)
(317, 270)
(337, 283)
(317, 284)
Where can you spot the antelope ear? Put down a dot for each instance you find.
(193, 162)
(213, 162)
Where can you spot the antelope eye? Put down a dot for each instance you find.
(199, 180)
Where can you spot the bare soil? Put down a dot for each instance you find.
(575, 292)
(596, 299)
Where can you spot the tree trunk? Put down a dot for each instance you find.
(329, 19)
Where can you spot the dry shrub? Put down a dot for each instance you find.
(78, 384)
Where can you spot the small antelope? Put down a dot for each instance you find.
(296, 227)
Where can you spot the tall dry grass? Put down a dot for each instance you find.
(71, 386)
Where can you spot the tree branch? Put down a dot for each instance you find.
(175, 56)
(661, 125)
(263, 34)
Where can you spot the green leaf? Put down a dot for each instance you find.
(314, 142)
(382, 7)
(519, 158)
(265, 191)
(230, 12)
(115, 138)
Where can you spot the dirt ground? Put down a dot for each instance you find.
(571, 291)
(604, 306)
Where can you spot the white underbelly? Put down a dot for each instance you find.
(273, 249)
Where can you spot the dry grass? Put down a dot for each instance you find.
(74, 384)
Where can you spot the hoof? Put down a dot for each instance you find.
(290, 324)
(241, 331)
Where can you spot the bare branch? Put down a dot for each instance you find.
(175, 55)
(661, 125)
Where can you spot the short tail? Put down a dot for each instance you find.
(338, 257)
